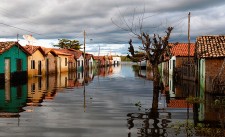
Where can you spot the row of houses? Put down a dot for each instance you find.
(203, 62)
(20, 62)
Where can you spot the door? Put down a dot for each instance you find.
(47, 66)
(7, 69)
(39, 67)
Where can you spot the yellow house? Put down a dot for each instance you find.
(61, 60)
(36, 61)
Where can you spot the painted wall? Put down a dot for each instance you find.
(80, 65)
(91, 63)
(52, 63)
(62, 63)
(13, 54)
(171, 65)
(37, 56)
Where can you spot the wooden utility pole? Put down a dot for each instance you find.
(189, 14)
(84, 72)
(84, 49)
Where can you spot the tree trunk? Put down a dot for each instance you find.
(156, 87)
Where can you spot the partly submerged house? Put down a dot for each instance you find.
(78, 55)
(50, 62)
(14, 61)
(210, 53)
(36, 60)
(99, 61)
(116, 60)
(181, 60)
(61, 60)
(89, 60)
(72, 63)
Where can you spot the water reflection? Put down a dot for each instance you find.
(12, 99)
(194, 118)
(15, 96)
(102, 102)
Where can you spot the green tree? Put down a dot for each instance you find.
(68, 44)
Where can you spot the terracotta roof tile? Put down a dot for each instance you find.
(210, 46)
(31, 49)
(4, 46)
(61, 52)
(181, 49)
(46, 50)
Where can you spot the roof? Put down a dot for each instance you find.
(181, 49)
(210, 46)
(99, 58)
(5, 46)
(46, 50)
(77, 54)
(88, 56)
(32, 49)
(60, 52)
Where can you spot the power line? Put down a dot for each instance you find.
(20, 28)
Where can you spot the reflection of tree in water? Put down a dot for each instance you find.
(152, 125)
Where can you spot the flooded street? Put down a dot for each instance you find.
(115, 102)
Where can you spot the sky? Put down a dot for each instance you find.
(107, 22)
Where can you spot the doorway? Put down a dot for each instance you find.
(39, 67)
(7, 69)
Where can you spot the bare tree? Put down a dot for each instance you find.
(156, 50)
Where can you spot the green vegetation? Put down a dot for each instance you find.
(68, 44)
(193, 100)
(125, 59)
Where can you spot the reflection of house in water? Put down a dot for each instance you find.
(12, 99)
(62, 80)
(36, 90)
(50, 87)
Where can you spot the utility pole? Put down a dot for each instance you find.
(189, 14)
(84, 48)
(84, 72)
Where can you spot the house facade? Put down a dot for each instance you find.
(89, 60)
(116, 60)
(50, 62)
(36, 61)
(14, 61)
(210, 54)
(182, 61)
(61, 60)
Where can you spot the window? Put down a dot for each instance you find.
(78, 62)
(32, 64)
(19, 65)
(65, 61)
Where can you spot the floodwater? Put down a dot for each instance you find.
(113, 102)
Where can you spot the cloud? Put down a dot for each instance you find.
(57, 19)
